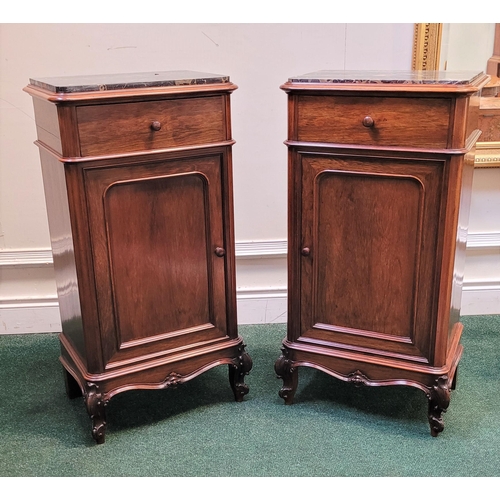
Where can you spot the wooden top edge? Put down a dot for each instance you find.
(444, 88)
(35, 91)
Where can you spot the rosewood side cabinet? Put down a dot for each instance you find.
(380, 178)
(137, 173)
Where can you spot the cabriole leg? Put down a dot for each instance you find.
(95, 408)
(289, 374)
(237, 371)
(439, 400)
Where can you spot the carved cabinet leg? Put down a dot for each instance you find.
(73, 390)
(237, 371)
(439, 400)
(289, 374)
(95, 408)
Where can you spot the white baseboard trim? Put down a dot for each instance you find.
(261, 305)
(30, 316)
(256, 305)
(480, 298)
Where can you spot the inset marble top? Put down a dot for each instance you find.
(94, 83)
(388, 77)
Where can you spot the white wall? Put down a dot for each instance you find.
(257, 57)
(466, 45)
(469, 46)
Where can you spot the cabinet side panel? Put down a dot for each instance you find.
(47, 124)
(62, 249)
(461, 239)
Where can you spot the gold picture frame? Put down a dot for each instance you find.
(427, 40)
(426, 46)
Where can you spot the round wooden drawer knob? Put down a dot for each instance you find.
(306, 251)
(220, 252)
(368, 121)
(156, 126)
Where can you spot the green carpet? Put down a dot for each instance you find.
(332, 430)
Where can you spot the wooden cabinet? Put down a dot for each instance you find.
(380, 178)
(138, 182)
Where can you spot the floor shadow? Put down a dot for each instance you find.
(399, 402)
(136, 408)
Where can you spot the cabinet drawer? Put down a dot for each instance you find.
(397, 121)
(139, 126)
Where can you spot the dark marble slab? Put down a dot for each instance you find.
(385, 77)
(93, 83)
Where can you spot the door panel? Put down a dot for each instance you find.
(371, 225)
(161, 252)
(155, 228)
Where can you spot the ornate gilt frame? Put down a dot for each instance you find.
(426, 46)
(426, 56)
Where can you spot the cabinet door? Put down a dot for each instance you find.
(160, 284)
(370, 227)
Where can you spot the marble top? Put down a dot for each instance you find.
(385, 77)
(94, 83)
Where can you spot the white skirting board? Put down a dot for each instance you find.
(40, 316)
(256, 307)
(259, 301)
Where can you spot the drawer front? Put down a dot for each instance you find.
(379, 121)
(139, 126)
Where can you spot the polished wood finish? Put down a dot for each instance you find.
(378, 214)
(489, 118)
(488, 150)
(138, 185)
(391, 121)
(138, 126)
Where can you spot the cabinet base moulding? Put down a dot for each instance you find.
(361, 369)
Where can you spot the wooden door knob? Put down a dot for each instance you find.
(156, 126)
(220, 252)
(306, 251)
(368, 121)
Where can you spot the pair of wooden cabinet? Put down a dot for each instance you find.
(138, 181)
